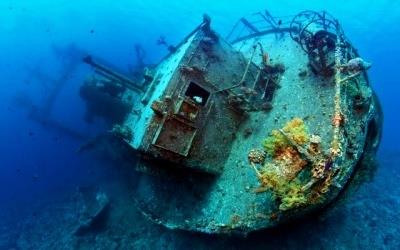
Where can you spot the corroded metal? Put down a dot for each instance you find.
(237, 137)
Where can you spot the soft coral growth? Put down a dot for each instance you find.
(277, 142)
(289, 193)
(280, 174)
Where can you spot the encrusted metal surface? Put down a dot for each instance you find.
(244, 136)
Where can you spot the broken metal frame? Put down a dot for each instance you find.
(260, 23)
(302, 22)
(43, 113)
(113, 75)
(305, 19)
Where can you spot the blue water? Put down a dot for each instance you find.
(39, 165)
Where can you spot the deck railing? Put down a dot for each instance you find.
(258, 24)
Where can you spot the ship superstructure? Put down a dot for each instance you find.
(245, 132)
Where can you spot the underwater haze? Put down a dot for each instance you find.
(43, 128)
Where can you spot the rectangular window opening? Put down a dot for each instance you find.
(198, 94)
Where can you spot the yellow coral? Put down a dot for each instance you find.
(280, 175)
(270, 178)
(289, 193)
(293, 197)
(276, 142)
(297, 131)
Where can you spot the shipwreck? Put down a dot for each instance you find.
(244, 132)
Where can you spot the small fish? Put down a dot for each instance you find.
(161, 41)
